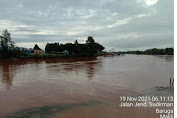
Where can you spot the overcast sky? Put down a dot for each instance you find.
(118, 24)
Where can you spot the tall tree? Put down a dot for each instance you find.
(6, 40)
(7, 49)
(90, 40)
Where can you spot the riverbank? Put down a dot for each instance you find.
(50, 56)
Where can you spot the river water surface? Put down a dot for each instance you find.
(82, 87)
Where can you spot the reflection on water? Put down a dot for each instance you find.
(34, 83)
(90, 65)
(6, 75)
(8, 67)
(168, 58)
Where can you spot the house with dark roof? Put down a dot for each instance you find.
(36, 51)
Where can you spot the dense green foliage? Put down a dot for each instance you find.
(90, 48)
(9, 50)
(7, 47)
(154, 51)
(14, 53)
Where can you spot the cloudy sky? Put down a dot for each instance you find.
(116, 24)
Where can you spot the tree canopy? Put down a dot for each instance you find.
(90, 48)
(7, 47)
(90, 40)
(6, 40)
(154, 51)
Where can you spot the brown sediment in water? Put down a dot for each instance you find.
(34, 83)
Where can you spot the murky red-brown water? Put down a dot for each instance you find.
(34, 83)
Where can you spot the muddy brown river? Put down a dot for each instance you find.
(82, 87)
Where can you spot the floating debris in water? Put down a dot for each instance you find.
(164, 89)
(171, 83)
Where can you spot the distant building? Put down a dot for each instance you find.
(34, 51)
(63, 52)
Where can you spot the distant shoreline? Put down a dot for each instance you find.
(53, 56)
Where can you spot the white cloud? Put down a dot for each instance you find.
(40, 32)
(20, 6)
(148, 3)
(63, 21)
(151, 12)
(89, 14)
(12, 26)
(109, 19)
(129, 35)
(72, 33)
(31, 45)
(151, 2)
(114, 14)
(120, 22)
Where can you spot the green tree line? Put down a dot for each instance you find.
(7, 46)
(90, 48)
(154, 51)
(9, 50)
